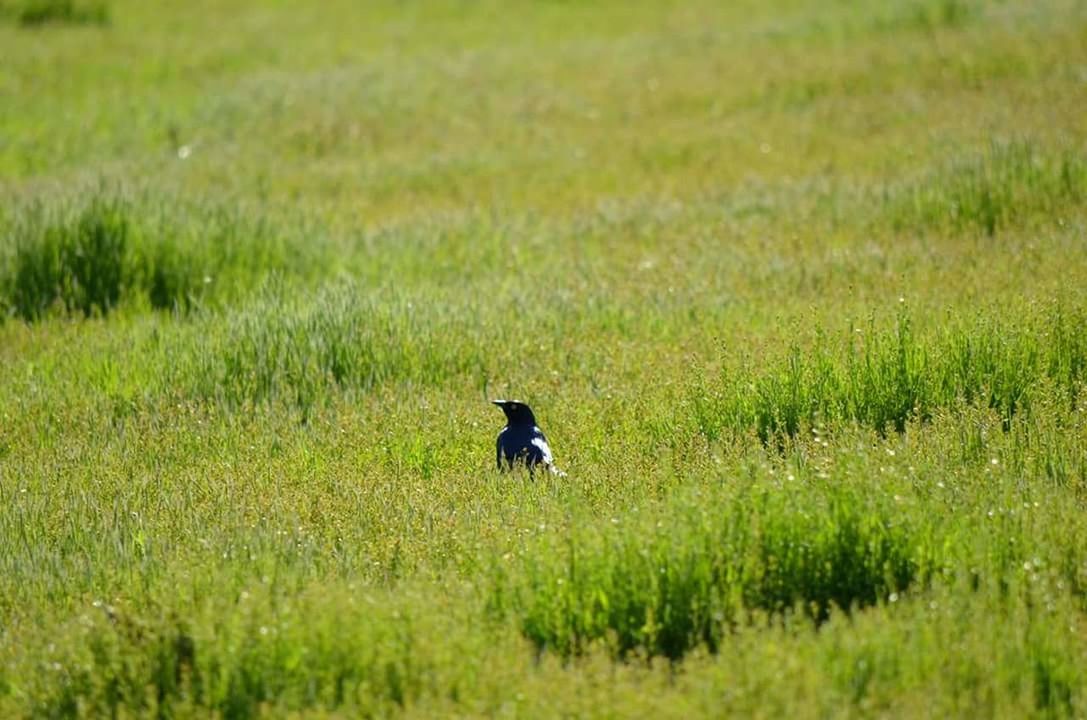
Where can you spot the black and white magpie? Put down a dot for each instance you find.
(522, 441)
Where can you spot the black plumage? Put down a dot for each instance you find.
(522, 441)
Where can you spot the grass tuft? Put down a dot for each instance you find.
(666, 590)
(345, 337)
(885, 379)
(90, 257)
(243, 660)
(78, 263)
(986, 193)
(33, 13)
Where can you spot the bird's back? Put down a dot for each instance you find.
(523, 442)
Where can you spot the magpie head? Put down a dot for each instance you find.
(517, 413)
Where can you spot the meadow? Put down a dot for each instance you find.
(796, 289)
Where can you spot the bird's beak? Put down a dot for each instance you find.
(499, 403)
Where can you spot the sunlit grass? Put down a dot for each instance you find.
(795, 290)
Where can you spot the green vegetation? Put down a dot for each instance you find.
(890, 377)
(30, 13)
(86, 260)
(795, 289)
(998, 189)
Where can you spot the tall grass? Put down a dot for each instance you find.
(1010, 183)
(885, 378)
(78, 263)
(929, 15)
(88, 257)
(343, 338)
(237, 656)
(349, 340)
(665, 589)
(34, 13)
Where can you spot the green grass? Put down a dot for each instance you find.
(666, 589)
(884, 378)
(90, 257)
(794, 288)
(33, 13)
(1000, 187)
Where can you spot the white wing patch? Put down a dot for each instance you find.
(542, 444)
(548, 461)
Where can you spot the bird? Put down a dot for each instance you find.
(522, 441)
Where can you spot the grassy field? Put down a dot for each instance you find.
(797, 289)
